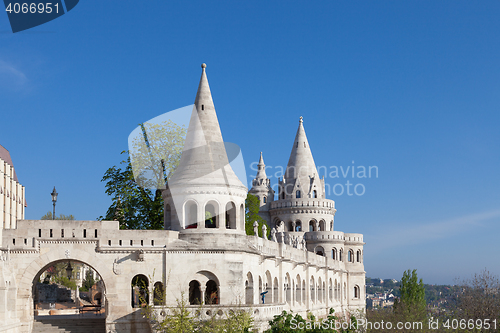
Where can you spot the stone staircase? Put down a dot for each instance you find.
(73, 324)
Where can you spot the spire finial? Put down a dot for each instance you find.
(203, 65)
(300, 119)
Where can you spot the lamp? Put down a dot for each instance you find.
(69, 270)
(54, 200)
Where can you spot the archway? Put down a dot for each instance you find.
(230, 215)
(249, 289)
(211, 214)
(140, 291)
(68, 287)
(211, 293)
(194, 292)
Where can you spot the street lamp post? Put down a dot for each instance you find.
(54, 199)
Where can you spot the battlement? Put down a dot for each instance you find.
(103, 233)
(305, 203)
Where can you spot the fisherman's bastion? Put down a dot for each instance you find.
(304, 265)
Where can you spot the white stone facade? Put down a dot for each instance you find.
(12, 195)
(214, 261)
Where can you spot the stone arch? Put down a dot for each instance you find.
(194, 292)
(298, 225)
(249, 289)
(140, 291)
(336, 291)
(358, 256)
(350, 255)
(290, 226)
(334, 254)
(190, 214)
(320, 290)
(312, 287)
(40, 264)
(319, 250)
(158, 293)
(211, 212)
(275, 291)
(312, 225)
(356, 292)
(298, 290)
(230, 215)
(288, 289)
(341, 255)
(330, 290)
(212, 292)
(269, 287)
(322, 225)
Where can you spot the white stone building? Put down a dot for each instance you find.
(12, 200)
(304, 267)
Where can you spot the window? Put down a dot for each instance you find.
(297, 194)
(356, 291)
(202, 107)
(315, 194)
(264, 199)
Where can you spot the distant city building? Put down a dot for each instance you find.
(12, 193)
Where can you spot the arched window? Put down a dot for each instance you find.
(264, 199)
(249, 289)
(334, 254)
(350, 256)
(140, 291)
(230, 215)
(320, 251)
(297, 194)
(283, 195)
(194, 293)
(298, 226)
(190, 215)
(358, 256)
(211, 293)
(315, 194)
(341, 256)
(211, 212)
(356, 291)
(158, 294)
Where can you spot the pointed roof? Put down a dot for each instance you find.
(5, 155)
(261, 169)
(301, 163)
(204, 158)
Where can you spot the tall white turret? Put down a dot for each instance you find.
(302, 204)
(301, 179)
(204, 192)
(261, 188)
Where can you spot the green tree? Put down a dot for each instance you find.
(48, 216)
(252, 206)
(88, 282)
(412, 305)
(136, 188)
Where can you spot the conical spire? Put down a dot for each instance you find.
(204, 159)
(261, 168)
(301, 163)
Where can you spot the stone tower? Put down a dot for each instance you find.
(204, 194)
(261, 188)
(301, 203)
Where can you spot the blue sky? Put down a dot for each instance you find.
(411, 87)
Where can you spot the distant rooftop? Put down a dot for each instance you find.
(5, 155)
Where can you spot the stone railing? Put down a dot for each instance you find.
(259, 312)
(316, 203)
